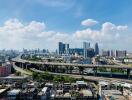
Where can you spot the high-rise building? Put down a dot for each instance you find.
(120, 53)
(78, 51)
(90, 52)
(96, 49)
(86, 46)
(106, 53)
(112, 53)
(61, 48)
(66, 48)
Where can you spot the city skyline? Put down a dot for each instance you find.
(44, 23)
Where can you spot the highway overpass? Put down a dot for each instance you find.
(91, 78)
(25, 63)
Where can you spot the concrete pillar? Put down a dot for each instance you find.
(22, 65)
(128, 73)
(50, 68)
(26, 65)
(110, 72)
(95, 71)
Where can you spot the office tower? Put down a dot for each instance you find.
(106, 53)
(78, 51)
(120, 53)
(86, 45)
(61, 48)
(90, 52)
(96, 49)
(112, 54)
(66, 48)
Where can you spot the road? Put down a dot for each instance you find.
(71, 64)
(92, 78)
(21, 70)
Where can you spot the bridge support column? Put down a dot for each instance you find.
(110, 72)
(21, 65)
(128, 73)
(26, 65)
(51, 68)
(45, 67)
(95, 71)
(40, 67)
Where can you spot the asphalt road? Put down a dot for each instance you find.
(92, 78)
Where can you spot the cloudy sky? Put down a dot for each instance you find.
(43, 23)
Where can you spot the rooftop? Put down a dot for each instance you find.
(14, 92)
(116, 94)
(81, 82)
(2, 90)
(86, 92)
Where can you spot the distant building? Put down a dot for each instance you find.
(13, 94)
(120, 53)
(96, 49)
(86, 46)
(105, 53)
(74, 51)
(5, 69)
(90, 52)
(112, 53)
(66, 49)
(61, 48)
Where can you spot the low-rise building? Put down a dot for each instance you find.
(112, 95)
(13, 94)
(44, 94)
(28, 94)
(5, 69)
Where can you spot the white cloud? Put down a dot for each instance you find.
(46, 34)
(122, 27)
(14, 34)
(108, 27)
(108, 32)
(35, 26)
(89, 22)
(87, 34)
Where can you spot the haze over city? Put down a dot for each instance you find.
(43, 23)
(65, 50)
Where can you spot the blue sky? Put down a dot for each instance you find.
(62, 21)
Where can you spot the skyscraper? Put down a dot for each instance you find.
(121, 53)
(86, 45)
(112, 54)
(96, 49)
(90, 52)
(106, 53)
(66, 48)
(61, 48)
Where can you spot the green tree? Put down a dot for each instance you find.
(18, 73)
(35, 75)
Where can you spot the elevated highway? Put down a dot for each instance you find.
(56, 64)
(91, 78)
(71, 64)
